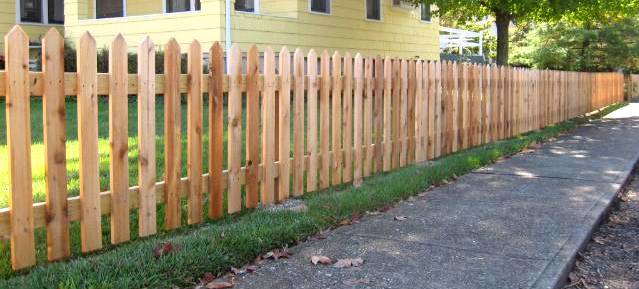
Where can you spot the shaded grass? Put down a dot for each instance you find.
(236, 240)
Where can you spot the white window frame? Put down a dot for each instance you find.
(330, 8)
(95, 7)
(256, 4)
(381, 12)
(45, 14)
(191, 7)
(420, 15)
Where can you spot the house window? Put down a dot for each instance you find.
(321, 6)
(426, 13)
(56, 11)
(31, 11)
(374, 9)
(41, 11)
(246, 6)
(182, 5)
(109, 8)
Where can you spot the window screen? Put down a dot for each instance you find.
(245, 5)
(56, 11)
(321, 6)
(31, 11)
(374, 9)
(109, 8)
(426, 13)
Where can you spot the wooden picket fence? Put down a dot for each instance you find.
(633, 82)
(351, 117)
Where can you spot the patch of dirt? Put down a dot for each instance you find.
(611, 259)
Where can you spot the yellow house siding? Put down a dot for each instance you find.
(143, 7)
(8, 20)
(400, 33)
(205, 25)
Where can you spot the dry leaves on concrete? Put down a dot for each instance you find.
(321, 260)
(347, 263)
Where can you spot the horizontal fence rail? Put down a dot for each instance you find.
(312, 121)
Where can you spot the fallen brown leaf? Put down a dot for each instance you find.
(277, 254)
(163, 249)
(219, 285)
(321, 260)
(208, 277)
(346, 263)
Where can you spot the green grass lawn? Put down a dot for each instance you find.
(37, 148)
(235, 240)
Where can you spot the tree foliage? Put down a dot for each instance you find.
(506, 12)
(588, 46)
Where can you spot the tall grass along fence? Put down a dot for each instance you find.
(312, 121)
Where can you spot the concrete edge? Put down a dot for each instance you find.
(555, 274)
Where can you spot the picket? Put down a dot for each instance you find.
(388, 115)
(298, 123)
(336, 119)
(268, 128)
(357, 120)
(172, 134)
(347, 117)
(54, 121)
(118, 140)
(194, 133)
(284, 149)
(216, 131)
(369, 88)
(351, 118)
(234, 137)
(378, 115)
(146, 139)
(325, 120)
(90, 223)
(19, 142)
(252, 183)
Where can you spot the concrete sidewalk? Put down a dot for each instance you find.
(515, 224)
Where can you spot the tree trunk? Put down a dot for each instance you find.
(502, 20)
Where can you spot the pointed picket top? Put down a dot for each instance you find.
(298, 54)
(284, 50)
(312, 54)
(325, 54)
(119, 43)
(146, 46)
(16, 33)
(195, 46)
(52, 35)
(172, 44)
(86, 39)
(336, 55)
(216, 48)
(252, 50)
(358, 56)
(285, 60)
